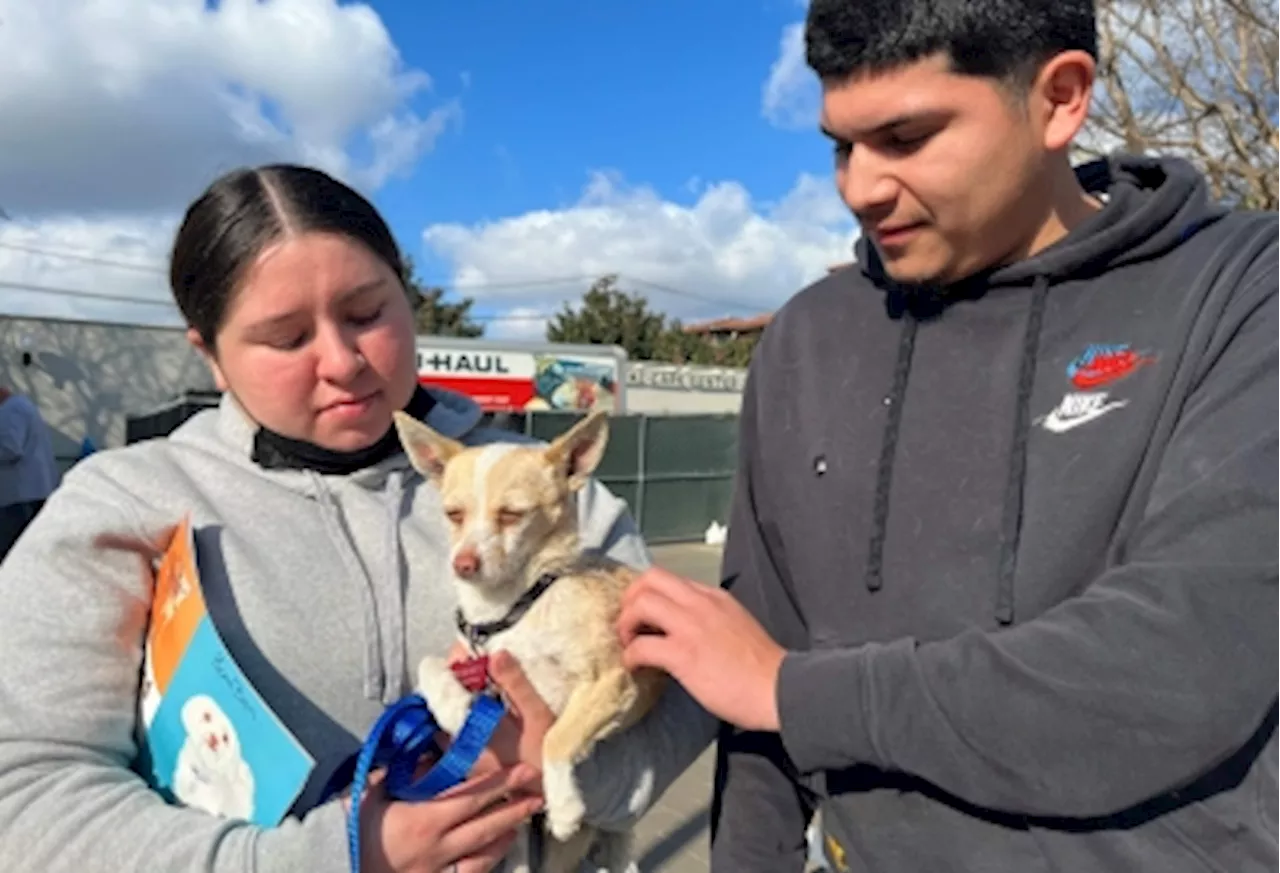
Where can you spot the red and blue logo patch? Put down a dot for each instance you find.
(1103, 364)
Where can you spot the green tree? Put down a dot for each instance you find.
(678, 347)
(608, 315)
(737, 352)
(434, 315)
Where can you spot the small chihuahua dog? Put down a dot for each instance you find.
(526, 585)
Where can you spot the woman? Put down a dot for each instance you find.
(322, 556)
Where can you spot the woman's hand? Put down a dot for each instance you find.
(467, 829)
(519, 736)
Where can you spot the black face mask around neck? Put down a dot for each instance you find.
(272, 451)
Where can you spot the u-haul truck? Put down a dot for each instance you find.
(513, 376)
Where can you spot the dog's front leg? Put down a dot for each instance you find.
(593, 711)
(447, 698)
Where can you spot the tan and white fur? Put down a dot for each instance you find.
(512, 516)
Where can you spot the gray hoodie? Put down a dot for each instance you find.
(327, 590)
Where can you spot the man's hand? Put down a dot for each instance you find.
(519, 735)
(708, 642)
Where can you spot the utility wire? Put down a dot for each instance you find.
(84, 295)
(448, 286)
(83, 257)
(147, 301)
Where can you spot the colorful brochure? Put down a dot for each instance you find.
(208, 740)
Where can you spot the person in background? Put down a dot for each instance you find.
(324, 563)
(1000, 583)
(28, 471)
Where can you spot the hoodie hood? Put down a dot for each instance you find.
(229, 432)
(1151, 205)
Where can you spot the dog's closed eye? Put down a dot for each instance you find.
(508, 517)
(455, 516)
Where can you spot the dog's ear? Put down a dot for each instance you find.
(577, 452)
(428, 451)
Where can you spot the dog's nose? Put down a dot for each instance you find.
(466, 564)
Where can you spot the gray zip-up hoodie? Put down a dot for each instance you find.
(1021, 538)
(328, 590)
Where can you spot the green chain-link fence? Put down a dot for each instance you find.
(675, 472)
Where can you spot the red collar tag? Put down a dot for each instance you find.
(473, 673)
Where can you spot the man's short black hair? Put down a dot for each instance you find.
(1000, 39)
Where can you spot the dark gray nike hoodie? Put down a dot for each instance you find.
(1020, 538)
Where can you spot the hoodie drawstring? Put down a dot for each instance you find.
(889, 452)
(383, 598)
(1011, 523)
(393, 589)
(1011, 526)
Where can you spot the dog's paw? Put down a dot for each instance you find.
(565, 809)
(446, 697)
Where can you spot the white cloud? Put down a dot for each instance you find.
(791, 97)
(518, 323)
(134, 104)
(721, 254)
(80, 260)
(117, 112)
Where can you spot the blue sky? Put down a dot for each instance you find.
(517, 149)
(666, 92)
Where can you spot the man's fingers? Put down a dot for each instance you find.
(657, 580)
(650, 612)
(651, 651)
(457, 652)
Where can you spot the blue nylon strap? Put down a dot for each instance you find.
(486, 712)
(402, 735)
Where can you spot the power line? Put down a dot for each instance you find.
(169, 304)
(88, 258)
(507, 316)
(145, 301)
(622, 277)
(454, 286)
(84, 295)
(85, 258)
(527, 283)
(704, 298)
(448, 286)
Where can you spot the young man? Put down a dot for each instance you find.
(1001, 571)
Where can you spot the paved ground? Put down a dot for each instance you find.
(673, 837)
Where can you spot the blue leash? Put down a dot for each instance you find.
(402, 735)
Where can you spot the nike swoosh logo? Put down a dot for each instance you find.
(1058, 423)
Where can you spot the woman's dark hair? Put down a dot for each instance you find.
(248, 209)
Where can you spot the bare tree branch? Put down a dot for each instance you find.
(1196, 79)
